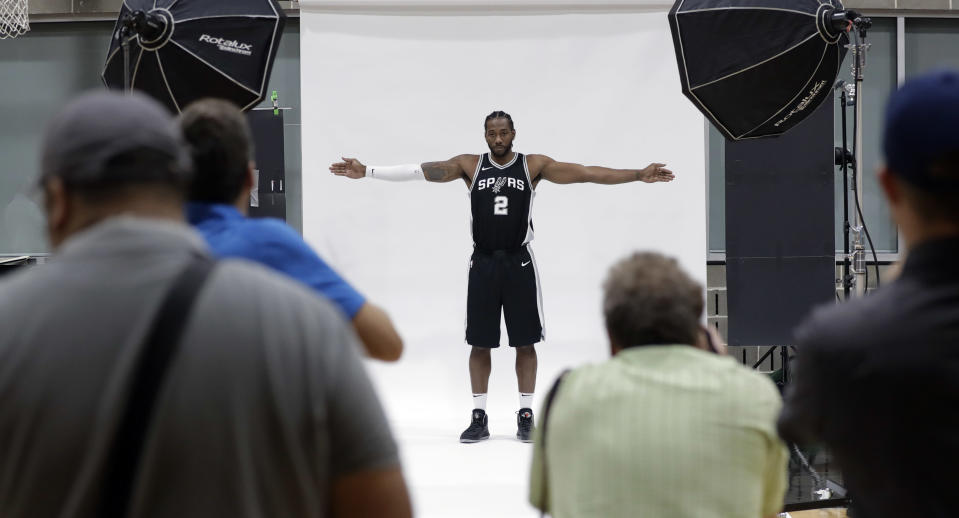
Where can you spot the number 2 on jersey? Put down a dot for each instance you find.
(500, 206)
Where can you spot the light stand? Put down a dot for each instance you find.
(859, 64)
(148, 27)
(853, 21)
(126, 34)
(845, 159)
(858, 25)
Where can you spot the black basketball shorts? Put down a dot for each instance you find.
(504, 279)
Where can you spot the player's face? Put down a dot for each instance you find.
(499, 137)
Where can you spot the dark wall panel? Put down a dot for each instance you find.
(267, 129)
(768, 297)
(779, 230)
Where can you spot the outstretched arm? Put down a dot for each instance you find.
(565, 172)
(445, 171)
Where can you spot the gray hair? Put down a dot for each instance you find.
(648, 299)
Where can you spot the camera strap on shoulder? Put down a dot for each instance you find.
(160, 348)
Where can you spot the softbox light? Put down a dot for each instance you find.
(756, 68)
(184, 50)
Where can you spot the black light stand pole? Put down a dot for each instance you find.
(125, 44)
(844, 155)
(148, 26)
(858, 25)
(128, 31)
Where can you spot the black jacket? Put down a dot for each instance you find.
(877, 381)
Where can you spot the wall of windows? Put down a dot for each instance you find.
(54, 62)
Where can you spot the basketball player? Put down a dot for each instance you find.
(502, 270)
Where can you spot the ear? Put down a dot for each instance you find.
(248, 184)
(890, 186)
(614, 346)
(242, 202)
(59, 208)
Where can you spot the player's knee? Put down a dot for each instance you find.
(526, 350)
(479, 352)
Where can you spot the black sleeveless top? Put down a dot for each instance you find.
(501, 200)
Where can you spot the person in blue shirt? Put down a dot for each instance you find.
(220, 142)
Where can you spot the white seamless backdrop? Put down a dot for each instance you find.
(598, 89)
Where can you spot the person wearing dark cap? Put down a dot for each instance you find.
(218, 136)
(877, 379)
(264, 410)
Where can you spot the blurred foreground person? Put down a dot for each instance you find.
(877, 379)
(222, 149)
(667, 427)
(264, 409)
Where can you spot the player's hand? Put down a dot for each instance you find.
(349, 167)
(655, 173)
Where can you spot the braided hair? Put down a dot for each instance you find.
(499, 114)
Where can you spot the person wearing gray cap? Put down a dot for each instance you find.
(262, 406)
(877, 379)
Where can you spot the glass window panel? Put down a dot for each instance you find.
(931, 43)
(717, 190)
(42, 71)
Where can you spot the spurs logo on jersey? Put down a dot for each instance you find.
(501, 199)
(498, 184)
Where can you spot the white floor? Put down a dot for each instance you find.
(449, 479)
(427, 398)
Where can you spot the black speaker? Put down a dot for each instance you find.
(780, 235)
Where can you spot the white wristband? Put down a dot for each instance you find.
(395, 173)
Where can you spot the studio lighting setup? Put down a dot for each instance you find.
(757, 68)
(179, 51)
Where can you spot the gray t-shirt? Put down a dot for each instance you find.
(265, 405)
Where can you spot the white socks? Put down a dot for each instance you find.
(479, 401)
(526, 400)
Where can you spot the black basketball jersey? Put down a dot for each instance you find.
(501, 199)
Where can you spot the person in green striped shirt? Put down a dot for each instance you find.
(667, 427)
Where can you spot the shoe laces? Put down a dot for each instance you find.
(477, 423)
(525, 420)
